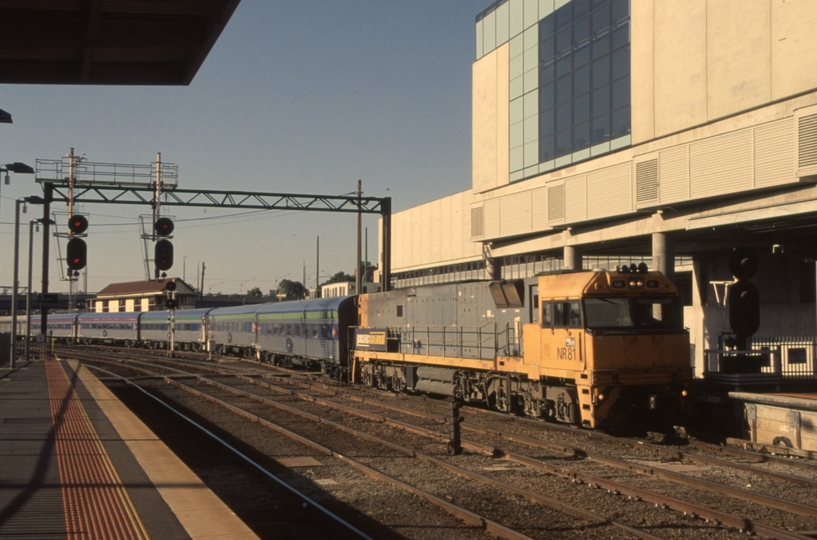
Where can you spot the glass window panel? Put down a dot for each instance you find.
(517, 134)
(545, 8)
(531, 80)
(581, 80)
(516, 67)
(581, 109)
(531, 37)
(621, 35)
(581, 8)
(517, 18)
(563, 65)
(546, 73)
(479, 39)
(601, 45)
(516, 156)
(564, 119)
(581, 31)
(600, 129)
(564, 89)
(581, 136)
(547, 147)
(517, 88)
(581, 54)
(600, 74)
(621, 93)
(547, 50)
(547, 96)
(601, 101)
(517, 46)
(531, 153)
(516, 112)
(598, 3)
(563, 41)
(547, 26)
(564, 17)
(531, 104)
(531, 59)
(601, 19)
(547, 122)
(621, 9)
(621, 122)
(531, 129)
(489, 32)
(531, 12)
(621, 62)
(502, 24)
(564, 140)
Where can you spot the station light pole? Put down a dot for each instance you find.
(16, 167)
(28, 297)
(31, 200)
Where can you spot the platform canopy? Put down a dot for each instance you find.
(118, 42)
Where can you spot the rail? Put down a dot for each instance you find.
(483, 342)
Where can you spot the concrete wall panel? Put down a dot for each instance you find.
(738, 58)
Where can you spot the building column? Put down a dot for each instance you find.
(663, 255)
(572, 259)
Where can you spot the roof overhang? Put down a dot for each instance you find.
(116, 42)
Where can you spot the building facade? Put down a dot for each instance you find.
(611, 131)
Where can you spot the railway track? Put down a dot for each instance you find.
(637, 486)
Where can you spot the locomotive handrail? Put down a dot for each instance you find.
(457, 343)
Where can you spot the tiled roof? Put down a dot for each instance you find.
(143, 288)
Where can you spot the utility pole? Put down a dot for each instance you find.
(358, 277)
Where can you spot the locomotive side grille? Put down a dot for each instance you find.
(646, 181)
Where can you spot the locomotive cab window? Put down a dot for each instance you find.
(663, 313)
(567, 314)
(547, 314)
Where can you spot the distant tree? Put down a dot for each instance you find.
(255, 292)
(292, 290)
(340, 277)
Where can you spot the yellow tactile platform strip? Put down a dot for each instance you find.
(200, 512)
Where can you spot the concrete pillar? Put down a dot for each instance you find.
(663, 255)
(572, 258)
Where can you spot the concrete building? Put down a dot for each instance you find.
(611, 131)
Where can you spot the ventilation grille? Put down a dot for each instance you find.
(807, 143)
(556, 203)
(477, 222)
(646, 181)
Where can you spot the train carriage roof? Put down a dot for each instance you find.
(57, 317)
(181, 314)
(116, 316)
(295, 306)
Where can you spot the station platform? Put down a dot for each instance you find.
(780, 419)
(76, 463)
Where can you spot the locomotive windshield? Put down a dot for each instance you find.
(629, 313)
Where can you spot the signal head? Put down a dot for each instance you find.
(172, 304)
(77, 224)
(171, 286)
(163, 226)
(76, 254)
(163, 255)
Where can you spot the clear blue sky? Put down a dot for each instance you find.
(296, 96)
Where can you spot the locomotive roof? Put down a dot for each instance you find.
(604, 282)
(295, 306)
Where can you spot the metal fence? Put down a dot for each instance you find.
(788, 358)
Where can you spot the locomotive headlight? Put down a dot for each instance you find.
(684, 393)
(601, 397)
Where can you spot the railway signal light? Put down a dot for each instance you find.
(163, 255)
(76, 254)
(744, 308)
(77, 224)
(172, 303)
(163, 226)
